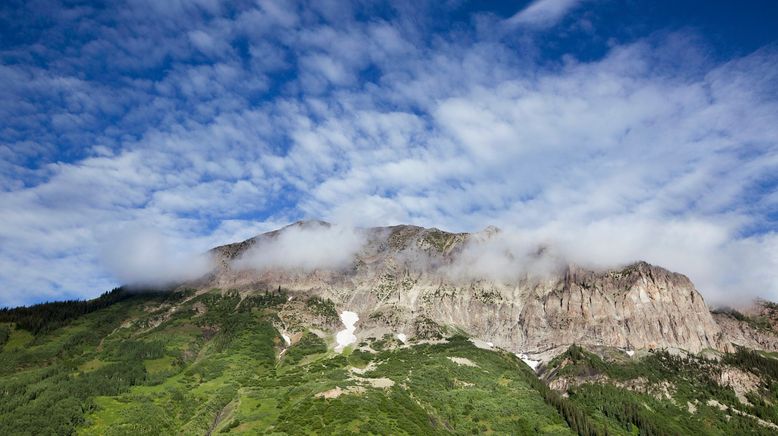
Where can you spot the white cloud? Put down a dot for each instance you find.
(507, 256)
(143, 257)
(305, 246)
(632, 156)
(543, 13)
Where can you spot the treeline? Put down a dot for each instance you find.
(574, 416)
(5, 333)
(753, 361)
(45, 317)
(323, 308)
(630, 414)
(307, 345)
(757, 322)
(611, 402)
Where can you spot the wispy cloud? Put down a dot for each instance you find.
(313, 113)
(145, 258)
(305, 247)
(543, 13)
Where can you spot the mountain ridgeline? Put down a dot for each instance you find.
(403, 278)
(316, 329)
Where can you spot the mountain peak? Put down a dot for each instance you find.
(409, 273)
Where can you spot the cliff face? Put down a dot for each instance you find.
(641, 306)
(403, 280)
(755, 327)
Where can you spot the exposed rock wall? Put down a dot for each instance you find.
(400, 281)
(746, 334)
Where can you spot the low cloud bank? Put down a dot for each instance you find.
(147, 258)
(305, 246)
(502, 255)
(727, 270)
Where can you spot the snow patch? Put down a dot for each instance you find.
(402, 337)
(534, 364)
(287, 339)
(346, 336)
(630, 353)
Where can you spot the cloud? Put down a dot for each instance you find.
(145, 258)
(506, 256)
(543, 13)
(131, 119)
(305, 246)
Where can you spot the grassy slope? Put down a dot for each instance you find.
(162, 364)
(137, 367)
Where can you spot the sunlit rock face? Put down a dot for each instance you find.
(754, 326)
(416, 280)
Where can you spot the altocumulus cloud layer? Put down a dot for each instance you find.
(134, 138)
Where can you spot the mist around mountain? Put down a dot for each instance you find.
(321, 329)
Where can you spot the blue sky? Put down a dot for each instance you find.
(135, 134)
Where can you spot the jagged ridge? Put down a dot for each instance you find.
(397, 282)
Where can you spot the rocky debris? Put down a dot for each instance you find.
(463, 384)
(725, 408)
(740, 381)
(379, 383)
(663, 390)
(338, 391)
(463, 361)
(370, 366)
(401, 280)
(199, 308)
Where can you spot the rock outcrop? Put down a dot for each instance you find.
(403, 280)
(754, 327)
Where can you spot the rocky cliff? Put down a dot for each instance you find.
(754, 327)
(404, 279)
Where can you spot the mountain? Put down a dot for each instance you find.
(317, 329)
(406, 278)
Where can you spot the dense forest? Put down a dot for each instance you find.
(44, 317)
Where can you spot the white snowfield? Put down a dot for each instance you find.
(402, 337)
(287, 339)
(531, 362)
(346, 336)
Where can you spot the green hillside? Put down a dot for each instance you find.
(180, 363)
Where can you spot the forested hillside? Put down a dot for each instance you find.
(216, 362)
